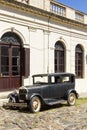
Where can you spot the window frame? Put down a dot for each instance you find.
(59, 59)
(79, 61)
(4, 73)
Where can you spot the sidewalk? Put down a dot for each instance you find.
(3, 97)
(83, 95)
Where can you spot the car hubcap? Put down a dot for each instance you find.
(36, 104)
(72, 98)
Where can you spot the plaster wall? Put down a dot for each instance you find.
(40, 35)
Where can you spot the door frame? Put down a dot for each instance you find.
(9, 81)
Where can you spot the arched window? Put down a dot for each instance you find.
(59, 57)
(11, 38)
(79, 61)
(14, 58)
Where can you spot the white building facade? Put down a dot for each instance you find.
(41, 36)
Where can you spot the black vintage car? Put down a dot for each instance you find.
(49, 89)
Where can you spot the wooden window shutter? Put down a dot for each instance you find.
(26, 62)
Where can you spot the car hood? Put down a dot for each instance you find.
(31, 86)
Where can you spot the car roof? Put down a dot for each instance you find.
(52, 74)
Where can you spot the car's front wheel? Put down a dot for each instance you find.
(35, 104)
(71, 99)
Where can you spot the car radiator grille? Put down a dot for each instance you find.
(22, 94)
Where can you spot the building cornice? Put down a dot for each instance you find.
(42, 13)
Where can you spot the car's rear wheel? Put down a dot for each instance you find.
(35, 104)
(71, 99)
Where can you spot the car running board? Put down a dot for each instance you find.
(55, 101)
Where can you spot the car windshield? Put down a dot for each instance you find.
(40, 79)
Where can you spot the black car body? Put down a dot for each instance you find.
(49, 89)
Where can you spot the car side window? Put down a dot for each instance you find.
(55, 79)
(72, 79)
(65, 79)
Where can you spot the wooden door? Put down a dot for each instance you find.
(10, 77)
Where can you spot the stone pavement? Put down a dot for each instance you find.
(60, 117)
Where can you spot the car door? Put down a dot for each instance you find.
(45, 91)
(55, 87)
(59, 86)
(55, 90)
(66, 84)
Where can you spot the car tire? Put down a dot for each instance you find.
(35, 104)
(71, 99)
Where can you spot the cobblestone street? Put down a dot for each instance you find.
(61, 117)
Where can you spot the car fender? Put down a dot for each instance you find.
(71, 91)
(14, 97)
(35, 94)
